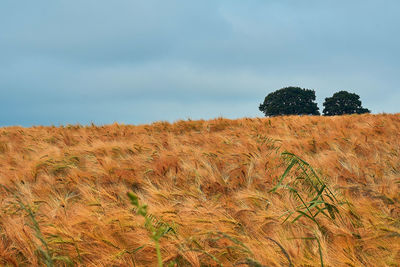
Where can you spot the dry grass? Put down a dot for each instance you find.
(209, 181)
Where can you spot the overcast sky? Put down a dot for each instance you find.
(127, 61)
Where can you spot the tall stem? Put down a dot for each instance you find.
(159, 259)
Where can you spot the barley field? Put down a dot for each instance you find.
(282, 191)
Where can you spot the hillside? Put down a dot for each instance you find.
(63, 194)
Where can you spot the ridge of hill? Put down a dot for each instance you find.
(63, 193)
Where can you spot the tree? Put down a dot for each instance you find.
(290, 101)
(343, 102)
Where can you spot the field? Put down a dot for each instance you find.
(219, 193)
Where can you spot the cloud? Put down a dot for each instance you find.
(104, 61)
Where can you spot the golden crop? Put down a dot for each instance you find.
(63, 193)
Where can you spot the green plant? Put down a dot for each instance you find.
(44, 251)
(314, 196)
(157, 229)
(313, 193)
(48, 256)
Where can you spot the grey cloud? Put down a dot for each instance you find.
(95, 60)
(106, 31)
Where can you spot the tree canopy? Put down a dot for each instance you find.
(343, 102)
(290, 101)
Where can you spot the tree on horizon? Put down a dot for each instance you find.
(343, 102)
(290, 101)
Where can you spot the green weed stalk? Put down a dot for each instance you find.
(156, 229)
(314, 197)
(44, 250)
(45, 253)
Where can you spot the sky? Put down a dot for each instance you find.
(134, 62)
